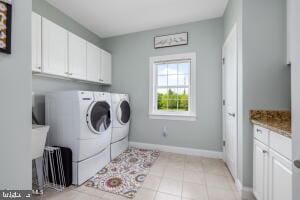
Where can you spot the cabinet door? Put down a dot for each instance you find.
(105, 69)
(93, 62)
(55, 49)
(260, 168)
(36, 42)
(77, 57)
(280, 177)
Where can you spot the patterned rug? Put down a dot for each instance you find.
(125, 174)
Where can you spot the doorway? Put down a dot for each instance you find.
(229, 87)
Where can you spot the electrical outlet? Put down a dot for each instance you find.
(165, 131)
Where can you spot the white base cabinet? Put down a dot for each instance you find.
(272, 165)
(260, 168)
(280, 177)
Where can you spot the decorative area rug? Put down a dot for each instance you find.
(125, 174)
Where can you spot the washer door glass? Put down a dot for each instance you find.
(124, 112)
(99, 117)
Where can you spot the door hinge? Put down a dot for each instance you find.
(224, 143)
(223, 102)
(223, 61)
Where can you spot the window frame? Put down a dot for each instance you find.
(172, 115)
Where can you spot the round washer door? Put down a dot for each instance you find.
(99, 117)
(123, 113)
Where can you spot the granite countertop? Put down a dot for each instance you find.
(276, 121)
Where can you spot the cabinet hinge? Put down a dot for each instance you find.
(223, 102)
(224, 143)
(223, 61)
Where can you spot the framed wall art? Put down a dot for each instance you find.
(171, 40)
(5, 27)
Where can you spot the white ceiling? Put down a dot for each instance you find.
(109, 18)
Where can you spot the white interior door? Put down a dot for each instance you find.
(230, 101)
(295, 74)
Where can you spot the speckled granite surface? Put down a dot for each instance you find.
(277, 121)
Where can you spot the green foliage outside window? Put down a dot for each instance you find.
(172, 101)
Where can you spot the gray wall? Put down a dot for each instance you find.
(42, 85)
(232, 15)
(266, 77)
(131, 75)
(15, 103)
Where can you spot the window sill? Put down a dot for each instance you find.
(170, 116)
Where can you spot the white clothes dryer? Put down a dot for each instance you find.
(81, 121)
(121, 114)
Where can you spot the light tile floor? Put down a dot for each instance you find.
(173, 177)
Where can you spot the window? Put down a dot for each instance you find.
(172, 87)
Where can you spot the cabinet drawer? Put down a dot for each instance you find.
(281, 144)
(261, 134)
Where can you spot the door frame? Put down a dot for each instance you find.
(235, 33)
(295, 94)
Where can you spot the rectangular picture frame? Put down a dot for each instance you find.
(171, 40)
(5, 27)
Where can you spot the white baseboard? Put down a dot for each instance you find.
(239, 186)
(179, 150)
(245, 192)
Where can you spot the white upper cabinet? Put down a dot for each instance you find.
(36, 40)
(93, 62)
(55, 51)
(55, 48)
(280, 177)
(106, 67)
(77, 57)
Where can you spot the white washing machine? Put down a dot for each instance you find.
(121, 122)
(81, 121)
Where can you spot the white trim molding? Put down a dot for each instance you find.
(190, 115)
(179, 150)
(173, 117)
(244, 192)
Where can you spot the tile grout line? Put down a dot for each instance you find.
(161, 177)
(183, 178)
(159, 184)
(158, 188)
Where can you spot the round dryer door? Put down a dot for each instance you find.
(123, 112)
(98, 117)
